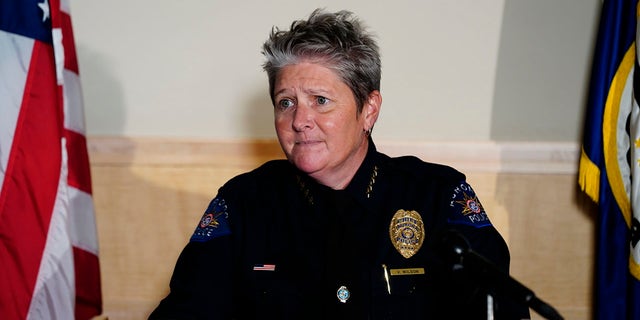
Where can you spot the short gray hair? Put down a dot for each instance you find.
(338, 41)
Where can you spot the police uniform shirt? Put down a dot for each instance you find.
(275, 244)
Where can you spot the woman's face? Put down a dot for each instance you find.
(318, 125)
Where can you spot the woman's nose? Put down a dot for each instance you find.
(302, 118)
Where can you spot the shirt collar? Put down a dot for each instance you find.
(362, 185)
(363, 182)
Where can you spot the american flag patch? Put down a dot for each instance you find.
(264, 267)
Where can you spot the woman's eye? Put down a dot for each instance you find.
(285, 103)
(322, 100)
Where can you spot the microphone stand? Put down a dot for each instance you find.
(463, 257)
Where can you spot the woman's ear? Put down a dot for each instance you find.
(371, 109)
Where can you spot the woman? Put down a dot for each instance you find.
(338, 230)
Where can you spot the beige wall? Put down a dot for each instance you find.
(467, 70)
(150, 193)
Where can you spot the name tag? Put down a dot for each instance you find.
(407, 271)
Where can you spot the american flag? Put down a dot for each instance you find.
(48, 243)
(264, 267)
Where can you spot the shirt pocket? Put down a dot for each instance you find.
(399, 291)
(278, 293)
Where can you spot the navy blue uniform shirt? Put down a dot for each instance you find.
(275, 244)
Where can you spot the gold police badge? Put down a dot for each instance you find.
(407, 232)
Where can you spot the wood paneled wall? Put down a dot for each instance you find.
(150, 193)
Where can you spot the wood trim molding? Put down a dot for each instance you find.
(495, 157)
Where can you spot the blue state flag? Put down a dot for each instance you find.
(609, 164)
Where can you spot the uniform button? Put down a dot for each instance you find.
(343, 294)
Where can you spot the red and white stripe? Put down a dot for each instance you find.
(48, 241)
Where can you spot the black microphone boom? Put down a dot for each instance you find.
(458, 252)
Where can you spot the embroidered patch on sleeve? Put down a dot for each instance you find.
(466, 208)
(213, 223)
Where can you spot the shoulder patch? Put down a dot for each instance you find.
(466, 208)
(213, 223)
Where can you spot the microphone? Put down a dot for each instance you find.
(458, 253)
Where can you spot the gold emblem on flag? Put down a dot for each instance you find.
(407, 232)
